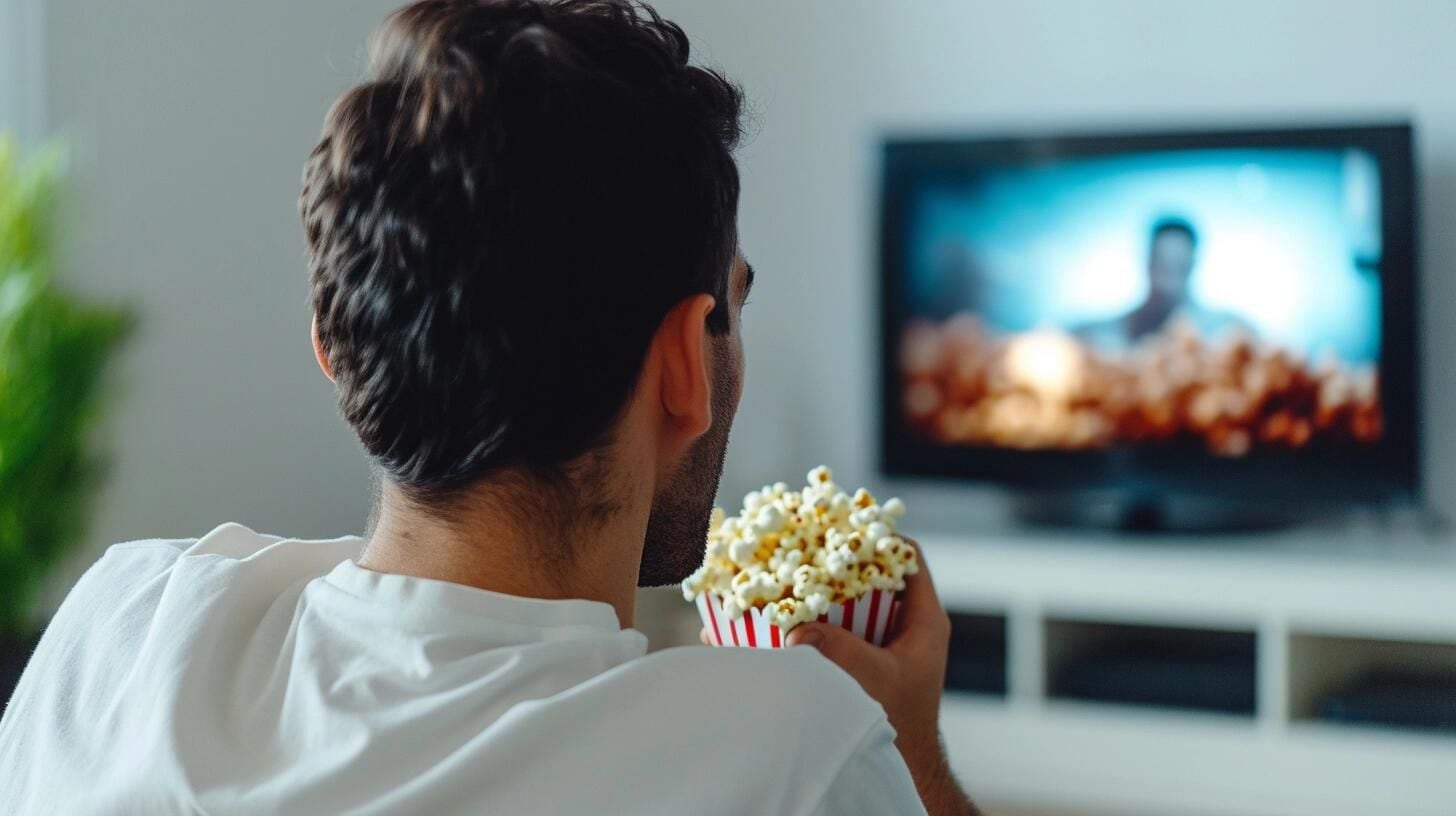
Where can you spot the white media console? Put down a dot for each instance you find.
(1319, 607)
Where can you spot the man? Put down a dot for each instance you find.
(527, 289)
(1171, 256)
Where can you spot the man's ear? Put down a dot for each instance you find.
(687, 395)
(319, 353)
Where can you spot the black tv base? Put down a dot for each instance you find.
(1156, 515)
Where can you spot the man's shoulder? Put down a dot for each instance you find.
(131, 578)
(225, 545)
(795, 661)
(229, 539)
(798, 682)
(788, 719)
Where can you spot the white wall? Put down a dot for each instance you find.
(192, 120)
(22, 68)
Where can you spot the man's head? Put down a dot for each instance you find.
(1170, 259)
(524, 207)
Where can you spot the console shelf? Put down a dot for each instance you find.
(1200, 676)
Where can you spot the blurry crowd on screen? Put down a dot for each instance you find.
(964, 385)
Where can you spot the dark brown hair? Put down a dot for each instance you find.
(498, 220)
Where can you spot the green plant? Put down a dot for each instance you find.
(53, 352)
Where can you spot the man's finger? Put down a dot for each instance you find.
(706, 638)
(859, 658)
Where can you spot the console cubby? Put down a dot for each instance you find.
(1373, 683)
(977, 662)
(1165, 667)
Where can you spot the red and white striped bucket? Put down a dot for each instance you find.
(870, 616)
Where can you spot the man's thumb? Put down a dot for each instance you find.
(850, 651)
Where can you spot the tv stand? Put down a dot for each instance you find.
(1230, 679)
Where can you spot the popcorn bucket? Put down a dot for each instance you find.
(870, 616)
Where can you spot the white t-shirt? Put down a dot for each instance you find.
(247, 674)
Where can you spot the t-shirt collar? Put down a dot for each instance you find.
(409, 591)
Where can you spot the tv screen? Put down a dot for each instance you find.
(1227, 313)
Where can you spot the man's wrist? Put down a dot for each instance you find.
(943, 795)
(936, 783)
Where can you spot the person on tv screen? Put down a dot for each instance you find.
(1172, 254)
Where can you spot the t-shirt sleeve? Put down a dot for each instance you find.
(873, 780)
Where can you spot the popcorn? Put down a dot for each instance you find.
(695, 584)
(732, 608)
(771, 519)
(716, 551)
(784, 613)
(793, 555)
(752, 502)
(818, 603)
(840, 566)
(741, 550)
(877, 530)
(755, 588)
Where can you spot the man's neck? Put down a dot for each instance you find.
(500, 541)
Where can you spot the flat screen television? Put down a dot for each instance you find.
(1225, 315)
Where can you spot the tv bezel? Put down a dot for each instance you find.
(1388, 473)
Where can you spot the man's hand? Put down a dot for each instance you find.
(905, 676)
